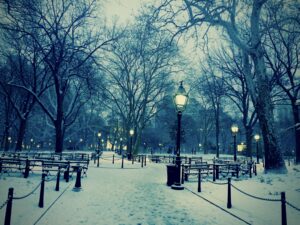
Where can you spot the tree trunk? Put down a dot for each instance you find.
(5, 137)
(297, 132)
(264, 109)
(249, 140)
(59, 132)
(21, 133)
(58, 137)
(262, 98)
(217, 137)
(205, 145)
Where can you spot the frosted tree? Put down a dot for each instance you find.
(67, 36)
(229, 61)
(137, 75)
(241, 21)
(282, 43)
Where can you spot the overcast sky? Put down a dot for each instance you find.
(123, 9)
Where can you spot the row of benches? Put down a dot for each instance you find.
(24, 166)
(46, 155)
(216, 169)
(172, 158)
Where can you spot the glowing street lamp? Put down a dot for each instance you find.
(234, 131)
(131, 133)
(98, 149)
(180, 101)
(121, 147)
(257, 138)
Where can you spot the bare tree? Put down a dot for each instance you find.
(230, 62)
(282, 43)
(67, 40)
(212, 87)
(8, 113)
(25, 69)
(137, 75)
(241, 22)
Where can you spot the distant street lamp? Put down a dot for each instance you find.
(200, 145)
(102, 145)
(234, 131)
(180, 101)
(131, 133)
(256, 138)
(121, 150)
(98, 149)
(9, 142)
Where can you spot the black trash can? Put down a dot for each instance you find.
(171, 174)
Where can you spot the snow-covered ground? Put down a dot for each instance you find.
(136, 195)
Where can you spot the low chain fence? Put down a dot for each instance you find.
(139, 158)
(9, 202)
(283, 200)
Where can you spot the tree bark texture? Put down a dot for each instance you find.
(21, 133)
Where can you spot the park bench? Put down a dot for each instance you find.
(162, 158)
(49, 166)
(8, 165)
(246, 168)
(193, 169)
(82, 163)
(192, 160)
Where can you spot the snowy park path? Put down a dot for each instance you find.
(132, 195)
(135, 195)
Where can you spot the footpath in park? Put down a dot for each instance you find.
(136, 195)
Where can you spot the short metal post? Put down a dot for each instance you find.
(182, 174)
(26, 172)
(186, 176)
(42, 190)
(113, 160)
(255, 169)
(67, 173)
(122, 166)
(199, 180)
(283, 209)
(9, 206)
(229, 194)
(132, 159)
(98, 159)
(139, 160)
(250, 170)
(78, 178)
(214, 172)
(57, 180)
(142, 164)
(237, 171)
(145, 164)
(217, 172)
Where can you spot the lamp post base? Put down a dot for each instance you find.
(177, 187)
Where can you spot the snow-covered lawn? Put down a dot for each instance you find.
(136, 195)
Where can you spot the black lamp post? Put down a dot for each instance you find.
(256, 138)
(121, 150)
(180, 101)
(131, 133)
(234, 130)
(98, 149)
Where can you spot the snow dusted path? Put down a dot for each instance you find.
(136, 195)
(131, 196)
